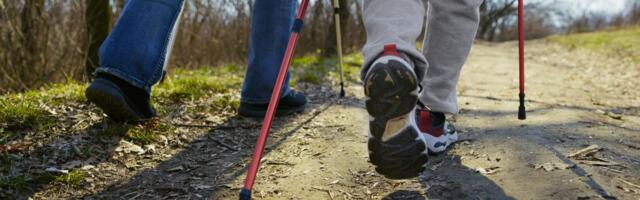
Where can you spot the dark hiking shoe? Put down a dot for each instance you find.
(396, 147)
(120, 100)
(293, 103)
(438, 132)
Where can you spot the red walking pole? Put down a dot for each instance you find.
(522, 113)
(245, 194)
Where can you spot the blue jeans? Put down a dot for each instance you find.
(138, 47)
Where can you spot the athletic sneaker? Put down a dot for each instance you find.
(396, 146)
(437, 131)
(292, 103)
(120, 100)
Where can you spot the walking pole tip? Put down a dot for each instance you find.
(522, 111)
(245, 194)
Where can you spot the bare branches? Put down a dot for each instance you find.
(40, 46)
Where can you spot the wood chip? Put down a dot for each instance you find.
(324, 190)
(276, 162)
(629, 183)
(176, 169)
(614, 116)
(585, 152)
(487, 171)
(598, 163)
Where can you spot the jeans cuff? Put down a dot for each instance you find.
(122, 75)
(253, 100)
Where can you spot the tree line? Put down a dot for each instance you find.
(44, 41)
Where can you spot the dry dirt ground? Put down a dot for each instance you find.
(575, 100)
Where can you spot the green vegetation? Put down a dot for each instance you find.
(27, 110)
(624, 43)
(16, 183)
(194, 84)
(312, 69)
(144, 133)
(22, 183)
(73, 178)
(19, 112)
(226, 101)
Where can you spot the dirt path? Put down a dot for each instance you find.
(575, 100)
(327, 158)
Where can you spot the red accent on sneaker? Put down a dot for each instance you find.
(391, 49)
(424, 124)
(424, 121)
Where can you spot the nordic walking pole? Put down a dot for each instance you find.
(522, 113)
(245, 194)
(336, 15)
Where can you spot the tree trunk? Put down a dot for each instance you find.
(98, 21)
(32, 34)
(330, 42)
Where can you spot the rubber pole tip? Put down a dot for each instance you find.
(342, 93)
(245, 194)
(522, 113)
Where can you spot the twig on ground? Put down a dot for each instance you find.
(346, 193)
(585, 152)
(224, 144)
(325, 190)
(629, 183)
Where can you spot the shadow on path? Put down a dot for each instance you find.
(208, 164)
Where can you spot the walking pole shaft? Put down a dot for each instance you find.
(336, 15)
(522, 113)
(245, 194)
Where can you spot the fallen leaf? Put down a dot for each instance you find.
(487, 171)
(150, 148)
(176, 169)
(56, 170)
(202, 187)
(128, 147)
(553, 166)
(614, 115)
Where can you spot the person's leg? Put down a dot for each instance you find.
(391, 74)
(398, 22)
(271, 25)
(138, 47)
(451, 29)
(133, 58)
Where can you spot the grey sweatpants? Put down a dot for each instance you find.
(451, 27)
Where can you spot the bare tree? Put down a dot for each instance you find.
(98, 21)
(32, 21)
(48, 41)
(493, 16)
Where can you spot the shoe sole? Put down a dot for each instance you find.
(391, 92)
(108, 97)
(438, 145)
(392, 96)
